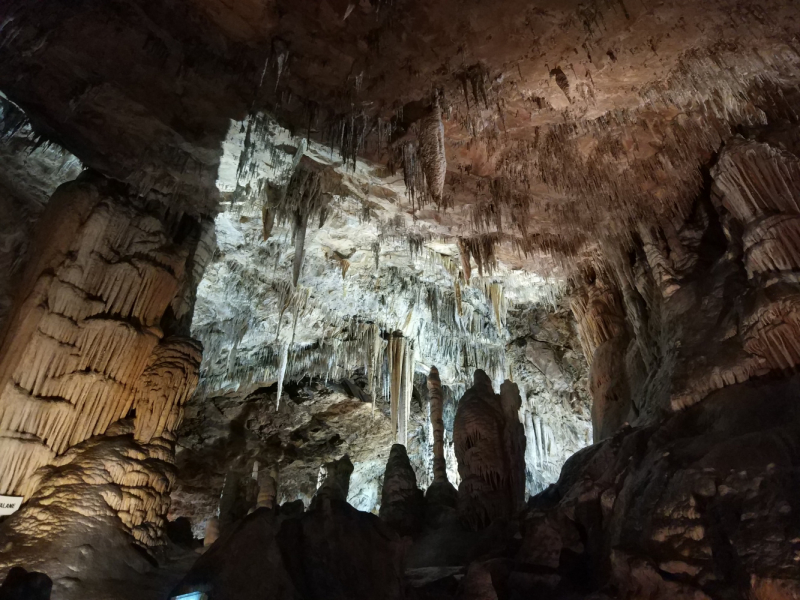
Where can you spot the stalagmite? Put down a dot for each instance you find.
(490, 447)
(435, 391)
(401, 500)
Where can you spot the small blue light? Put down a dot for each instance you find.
(191, 596)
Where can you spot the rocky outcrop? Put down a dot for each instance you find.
(92, 391)
(490, 448)
(223, 436)
(20, 584)
(699, 506)
(332, 551)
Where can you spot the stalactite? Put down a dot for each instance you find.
(267, 222)
(373, 363)
(397, 351)
(408, 388)
(432, 152)
(464, 252)
(282, 374)
(376, 252)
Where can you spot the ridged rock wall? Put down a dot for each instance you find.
(701, 303)
(88, 316)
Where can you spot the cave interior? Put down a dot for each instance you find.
(400, 300)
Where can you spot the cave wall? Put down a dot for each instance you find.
(96, 368)
(689, 331)
(692, 307)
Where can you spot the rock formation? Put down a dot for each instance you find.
(86, 324)
(401, 499)
(20, 584)
(211, 261)
(440, 493)
(334, 482)
(437, 424)
(490, 448)
(332, 551)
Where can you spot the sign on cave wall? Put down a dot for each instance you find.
(9, 504)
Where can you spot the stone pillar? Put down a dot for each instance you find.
(105, 267)
(91, 392)
(490, 448)
(441, 497)
(601, 329)
(401, 500)
(437, 423)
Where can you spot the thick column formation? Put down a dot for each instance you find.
(106, 267)
(490, 448)
(601, 327)
(92, 393)
(760, 186)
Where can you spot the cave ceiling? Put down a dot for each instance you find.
(576, 118)
(558, 128)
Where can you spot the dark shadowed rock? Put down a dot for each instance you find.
(20, 584)
(401, 500)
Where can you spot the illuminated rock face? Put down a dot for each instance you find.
(687, 309)
(93, 392)
(88, 319)
(638, 158)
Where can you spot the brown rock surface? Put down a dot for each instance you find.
(490, 447)
(637, 158)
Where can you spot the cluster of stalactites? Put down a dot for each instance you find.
(106, 269)
(598, 312)
(756, 197)
(301, 200)
(760, 186)
(401, 377)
